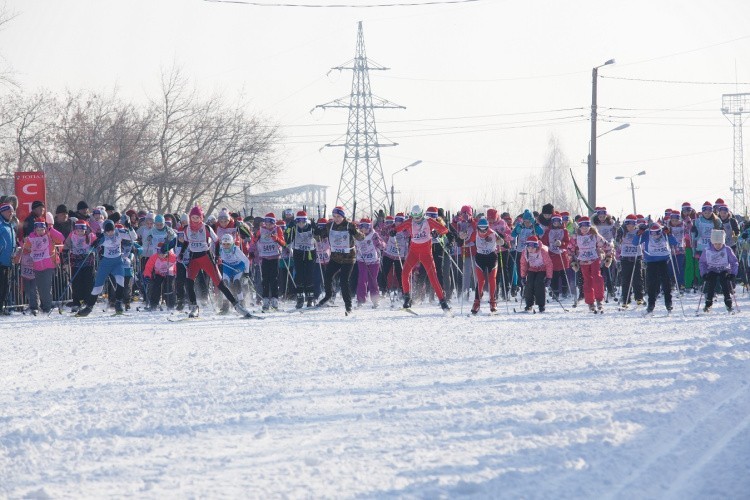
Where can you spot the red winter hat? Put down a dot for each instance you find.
(719, 202)
(365, 220)
(271, 215)
(196, 210)
(556, 215)
(667, 211)
(707, 204)
(322, 220)
(280, 223)
(655, 227)
(339, 211)
(584, 219)
(131, 212)
(532, 239)
(467, 209)
(686, 204)
(388, 218)
(301, 215)
(431, 210)
(491, 213)
(631, 217)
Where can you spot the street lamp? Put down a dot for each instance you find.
(393, 192)
(592, 147)
(533, 198)
(632, 188)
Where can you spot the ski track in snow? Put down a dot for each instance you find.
(381, 404)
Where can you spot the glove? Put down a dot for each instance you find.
(500, 241)
(392, 232)
(547, 282)
(608, 261)
(558, 243)
(575, 266)
(434, 233)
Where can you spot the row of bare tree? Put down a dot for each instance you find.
(178, 150)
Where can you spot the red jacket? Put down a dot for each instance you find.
(545, 265)
(433, 225)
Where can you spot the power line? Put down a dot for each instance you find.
(681, 82)
(344, 6)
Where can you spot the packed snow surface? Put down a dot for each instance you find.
(381, 404)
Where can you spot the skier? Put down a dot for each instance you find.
(657, 248)
(394, 253)
(631, 258)
(111, 263)
(322, 258)
(487, 243)
(341, 235)
(501, 227)
(536, 271)
(78, 244)
(557, 240)
(233, 264)
(521, 232)
(607, 229)
(718, 263)
(462, 228)
(587, 248)
(368, 263)
(7, 252)
(268, 242)
(160, 270)
(41, 245)
(677, 228)
(300, 237)
(420, 229)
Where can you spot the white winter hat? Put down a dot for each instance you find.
(718, 236)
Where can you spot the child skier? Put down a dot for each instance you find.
(718, 263)
(268, 242)
(487, 243)
(233, 264)
(300, 237)
(536, 270)
(557, 240)
(368, 263)
(322, 258)
(420, 230)
(160, 270)
(631, 258)
(78, 244)
(41, 245)
(587, 248)
(524, 229)
(657, 249)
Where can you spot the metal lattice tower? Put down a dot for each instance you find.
(362, 185)
(733, 106)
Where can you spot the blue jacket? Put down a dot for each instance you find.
(654, 249)
(7, 241)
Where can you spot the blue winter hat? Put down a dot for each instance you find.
(339, 211)
(483, 223)
(159, 219)
(109, 225)
(527, 215)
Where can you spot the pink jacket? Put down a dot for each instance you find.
(537, 264)
(42, 249)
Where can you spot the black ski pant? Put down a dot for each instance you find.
(345, 271)
(179, 283)
(534, 290)
(162, 286)
(631, 267)
(4, 286)
(389, 263)
(304, 269)
(658, 276)
(83, 282)
(711, 279)
(269, 270)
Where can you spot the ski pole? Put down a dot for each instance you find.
(674, 273)
(505, 290)
(703, 287)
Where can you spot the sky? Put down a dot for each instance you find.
(485, 84)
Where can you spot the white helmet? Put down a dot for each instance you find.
(417, 212)
(227, 239)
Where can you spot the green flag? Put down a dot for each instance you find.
(579, 194)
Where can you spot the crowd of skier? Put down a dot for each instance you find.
(173, 260)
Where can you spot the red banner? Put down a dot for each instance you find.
(30, 186)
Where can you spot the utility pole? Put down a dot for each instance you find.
(362, 174)
(592, 144)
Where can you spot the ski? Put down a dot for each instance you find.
(408, 310)
(532, 311)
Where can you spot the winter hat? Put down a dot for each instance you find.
(159, 219)
(184, 218)
(270, 218)
(686, 206)
(707, 205)
(37, 204)
(108, 225)
(631, 219)
(288, 213)
(130, 212)
(641, 219)
(492, 214)
(556, 217)
(339, 211)
(227, 238)
(674, 215)
(389, 219)
(718, 236)
(601, 210)
(548, 209)
(466, 209)
(49, 219)
(399, 217)
(565, 215)
(40, 222)
(532, 241)
(150, 216)
(719, 203)
(416, 212)
(280, 223)
(141, 214)
(365, 222)
(323, 221)
(655, 228)
(82, 205)
(483, 224)
(5, 206)
(223, 214)
(432, 212)
(527, 215)
(196, 210)
(61, 209)
(81, 224)
(584, 221)
(301, 216)
(667, 212)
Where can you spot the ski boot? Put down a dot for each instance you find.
(707, 307)
(444, 305)
(407, 301)
(639, 302)
(240, 309)
(300, 301)
(592, 308)
(266, 305)
(194, 311)
(118, 308)
(493, 306)
(180, 305)
(224, 309)
(375, 301)
(599, 306)
(85, 311)
(475, 307)
(275, 304)
(527, 309)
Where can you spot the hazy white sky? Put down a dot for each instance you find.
(479, 80)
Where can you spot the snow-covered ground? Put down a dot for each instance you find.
(381, 404)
